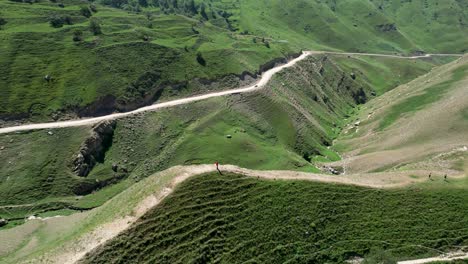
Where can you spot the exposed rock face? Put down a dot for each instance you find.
(359, 96)
(386, 27)
(93, 148)
(333, 170)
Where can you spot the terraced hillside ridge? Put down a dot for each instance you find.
(232, 218)
(421, 124)
(66, 239)
(86, 59)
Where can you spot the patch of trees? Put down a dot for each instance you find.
(132, 6)
(143, 85)
(386, 27)
(86, 12)
(57, 21)
(77, 35)
(188, 8)
(2, 22)
(95, 27)
(93, 8)
(26, 1)
(185, 7)
(200, 59)
(266, 43)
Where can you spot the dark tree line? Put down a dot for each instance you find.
(185, 7)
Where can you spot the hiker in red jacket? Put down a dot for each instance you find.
(217, 168)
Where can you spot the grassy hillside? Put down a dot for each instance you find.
(135, 57)
(235, 219)
(145, 54)
(384, 74)
(381, 26)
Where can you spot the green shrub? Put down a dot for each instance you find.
(2, 22)
(95, 27)
(200, 59)
(58, 21)
(77, 35)
(379, 256)
(93, 8)
(86, 12)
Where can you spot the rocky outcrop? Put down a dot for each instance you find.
(386, 27)
(93, 148)
(359, 96)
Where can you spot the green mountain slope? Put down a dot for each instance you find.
(235, 219)
(152, 53)
(136, 58)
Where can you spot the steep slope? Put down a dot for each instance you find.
(421, 124)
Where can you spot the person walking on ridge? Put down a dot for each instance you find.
(217, 168)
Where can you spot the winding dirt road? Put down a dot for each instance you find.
(442, 258)
(266, 76)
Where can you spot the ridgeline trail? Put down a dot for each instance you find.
(74, 250)
(265, 77)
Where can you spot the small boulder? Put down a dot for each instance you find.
(3, 222)
(48, 78)
(229, 136)
(50, 133)
(115, 167)
(353, 76)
